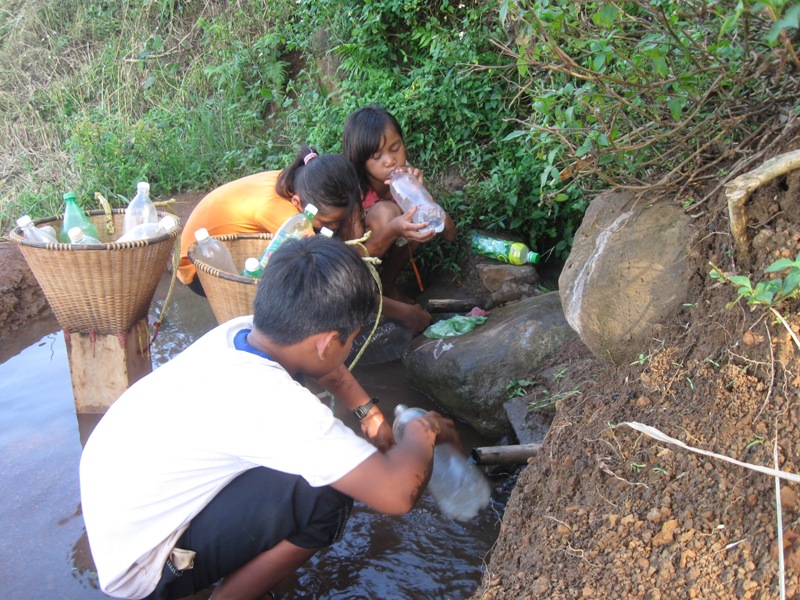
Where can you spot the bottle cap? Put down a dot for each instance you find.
(75, 234)
(24, 220)
(201, 234)
(168, 222)
(533, 257)
(69, 195)
(310, 208)
(251, 264)
(143, 186)
(325, 232)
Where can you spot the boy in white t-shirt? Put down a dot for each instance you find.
(219, 468)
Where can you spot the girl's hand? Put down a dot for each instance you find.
(408, 169)
(404, 227)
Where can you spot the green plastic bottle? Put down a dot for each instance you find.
(252, 268)
(514, 253)
(75, 217)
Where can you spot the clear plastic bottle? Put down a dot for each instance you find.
(296, 226)
(458, 486)
(145, 231)
(32, 233)
(252, 268)
(77, 236)
(141, 209)
(49, 230)
(408, 192)
(213, 252)
(75, 217)
(515, 253)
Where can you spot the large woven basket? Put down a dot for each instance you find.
(105, 288)
(229, 294)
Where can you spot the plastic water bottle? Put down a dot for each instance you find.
(32, 233)
(49, 230)
(515, 253)
(408, 192)
(213, 252)
(77, 236)
(141, 209)
(458, 486)
(296, 226)
(75, 217)
(252, 268)
(145, 231)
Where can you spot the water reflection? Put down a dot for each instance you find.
(45, 553)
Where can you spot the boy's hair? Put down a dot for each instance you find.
(328, 181)
(361, 137)
(313, 285)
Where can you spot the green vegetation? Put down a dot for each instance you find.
(531, 105)
(769, 293)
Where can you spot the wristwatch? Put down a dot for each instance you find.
(362, 410)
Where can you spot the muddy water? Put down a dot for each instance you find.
(43, 549)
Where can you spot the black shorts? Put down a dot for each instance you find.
(254, 512)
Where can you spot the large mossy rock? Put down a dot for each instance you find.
(465, 375)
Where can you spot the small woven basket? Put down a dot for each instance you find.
(103, 288)
(231, 295)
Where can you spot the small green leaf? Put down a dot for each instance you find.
(780, 265)
(606, 16)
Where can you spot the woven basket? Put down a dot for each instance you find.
(231, 295)
(102, 288)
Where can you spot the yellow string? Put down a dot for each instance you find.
(371, 262)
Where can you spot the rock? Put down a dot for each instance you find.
(626, 274)
(466, 375)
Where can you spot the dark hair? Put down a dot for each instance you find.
(313, 285)
(361, 137)
(328, 181)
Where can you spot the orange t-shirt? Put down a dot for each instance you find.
(246, 205)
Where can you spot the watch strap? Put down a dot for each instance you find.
(362, 410)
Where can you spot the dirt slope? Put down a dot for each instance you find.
(607, 512)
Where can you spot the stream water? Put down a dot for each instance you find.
(44, 551)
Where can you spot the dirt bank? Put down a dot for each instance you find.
(607, 512)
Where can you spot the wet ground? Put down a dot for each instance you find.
(44, 551)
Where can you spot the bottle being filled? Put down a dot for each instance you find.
(145, 231)
(32, 233)
(408, 192)
(296, 226)
(515, 253)
(213, 252)
(252, 268)
(141, 209)
(458, 486)
(75, 217)
(78, 237)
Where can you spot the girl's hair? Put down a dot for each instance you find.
(328, 181)
(313, 285)
(361, 137)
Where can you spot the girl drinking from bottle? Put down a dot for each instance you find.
(373, 141)
(262, 202)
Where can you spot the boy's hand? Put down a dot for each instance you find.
(377, 430)
(444, 428)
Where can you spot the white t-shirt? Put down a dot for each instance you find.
(173, 440)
